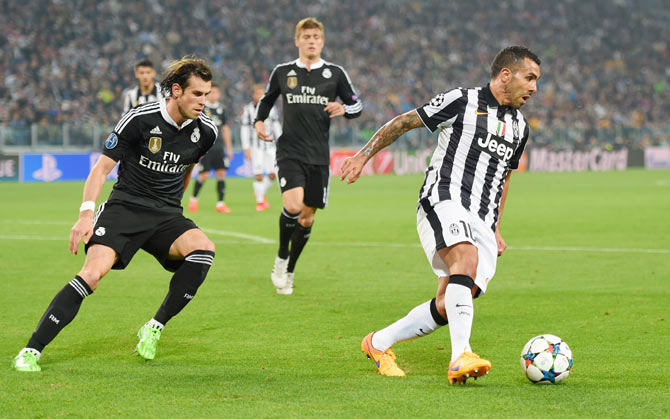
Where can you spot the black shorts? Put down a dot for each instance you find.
(126, 228)
(313, 178)
(214, 159)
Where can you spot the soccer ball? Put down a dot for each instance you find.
(546, 359)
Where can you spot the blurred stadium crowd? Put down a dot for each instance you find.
(605, 63)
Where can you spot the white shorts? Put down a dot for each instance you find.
(449, 223)
(263, 160)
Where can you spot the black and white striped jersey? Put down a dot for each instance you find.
(478, 144)
(154, 155)
(248, 132)
(133, 97)
(305, 95)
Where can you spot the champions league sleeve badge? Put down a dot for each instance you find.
(195, 136)
(111, 141)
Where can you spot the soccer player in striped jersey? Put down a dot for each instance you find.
(146, 91)
(157, 146)
(482, 136)
(261, 154)
(309, 87)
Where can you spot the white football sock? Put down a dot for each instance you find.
(37, 353)
(459, 307)
(156, 324)
(259, 190)
(267, 182)
(418, 322)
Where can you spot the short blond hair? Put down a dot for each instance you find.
(308, 23)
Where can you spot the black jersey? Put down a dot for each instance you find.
(305, 94)
(217, 114)
(154, 154)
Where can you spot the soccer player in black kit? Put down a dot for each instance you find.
(216, 158)
(309, 87)
(157, 145)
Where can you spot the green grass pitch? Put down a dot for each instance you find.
(589, 261)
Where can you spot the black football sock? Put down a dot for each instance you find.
(298, 242)
(196, 188)
(184, 284)
(61, 311)
(221, 189)
(287, 223)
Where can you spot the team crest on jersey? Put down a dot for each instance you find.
(111, 141)
(155, 144)
(195, 136)
(454, 230)
(292, 82)
(327, 73)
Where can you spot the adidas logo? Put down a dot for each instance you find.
(155, 130)
(292, 73)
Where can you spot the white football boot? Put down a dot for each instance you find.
(278, 274)
(288, 288)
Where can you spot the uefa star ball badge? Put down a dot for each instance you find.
(111, 141)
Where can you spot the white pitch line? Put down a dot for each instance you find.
(251, 237)
(590, 249)
(37, 222)
(4, 237)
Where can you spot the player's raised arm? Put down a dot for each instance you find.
(83, 228)
(386, 135)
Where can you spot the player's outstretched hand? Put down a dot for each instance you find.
(502, 245)
(83, 228)
(260, 131)
(334, 109)
(352, 168)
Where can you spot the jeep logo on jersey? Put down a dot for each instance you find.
(195, 136)
(496, 147)
(155, 144)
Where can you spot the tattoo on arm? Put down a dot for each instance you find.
(390, 132)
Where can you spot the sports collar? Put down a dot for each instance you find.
(493, 102)
(314, 66)
(166, 116)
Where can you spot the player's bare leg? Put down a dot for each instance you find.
(197, 252)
